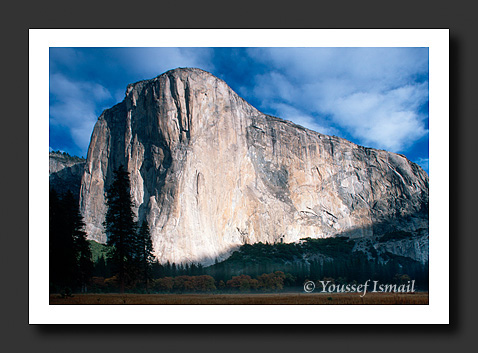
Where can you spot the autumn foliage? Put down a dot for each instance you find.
(181, 284)
(267, 282)
(243, 283)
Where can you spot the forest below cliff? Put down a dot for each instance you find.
(268, 268)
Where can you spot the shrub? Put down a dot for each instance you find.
(203, 283)
(164, 284)
(271, 281)
(244, 283)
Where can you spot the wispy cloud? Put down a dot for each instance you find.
(374, 95)
(387, 119)
(76, 106)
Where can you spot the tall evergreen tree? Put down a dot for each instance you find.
(70, 254)
(100, 268)
(85, 263)
(144, 253)
(62, 255)
(120, 225)
(82, 252)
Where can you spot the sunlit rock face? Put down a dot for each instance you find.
(209, 172)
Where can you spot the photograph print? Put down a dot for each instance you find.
(238, 175)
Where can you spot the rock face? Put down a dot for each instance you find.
(209, 172)
(414, 246)
(66, 172)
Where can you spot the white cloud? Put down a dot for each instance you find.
(274, 86)
(386, 120)
(372, 94)
(75, 106)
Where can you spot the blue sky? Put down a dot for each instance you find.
(375, 97)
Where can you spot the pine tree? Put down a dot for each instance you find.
(61, 245)
(100, 268)
(144, 253)
(70, 254)
(83, 265)
(167, 270)
(119, 225)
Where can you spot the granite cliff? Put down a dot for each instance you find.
(66, 172)
(209, 172)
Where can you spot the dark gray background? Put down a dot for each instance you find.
(17, 17)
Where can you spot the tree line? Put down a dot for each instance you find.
(315, 259)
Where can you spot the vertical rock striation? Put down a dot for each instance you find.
(209, 172)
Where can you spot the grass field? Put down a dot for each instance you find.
(254, 299)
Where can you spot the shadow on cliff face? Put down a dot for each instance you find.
(387, 258)
(391, 250)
